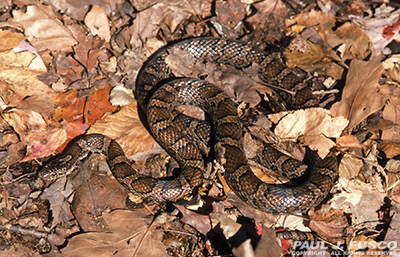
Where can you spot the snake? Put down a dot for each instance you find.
(159, 94)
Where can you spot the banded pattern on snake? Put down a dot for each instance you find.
(159, 93)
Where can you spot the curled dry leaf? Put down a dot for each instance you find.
(361, 84)
(314, 126)
(44, 31)
(148, 21)
(125, 127)
(22, 81)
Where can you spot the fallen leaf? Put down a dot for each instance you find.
(43, 30)
(194, 7)
(314, 126)
(97, 21)
(96, 192)
(350, 166)
(315, 61)
(9, 39)
(348, 141)
(360, 199)
(128, 234)
(126, 128)
(356, 44)
(57, 194)
(328, 224)
(361, 83)
(34, 131)
(198, 221)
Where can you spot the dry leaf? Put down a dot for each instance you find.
(57, 194)
(97, 22)
(361, 84)
(40, 138)
(350, 166)
(198, 221)
(314, 125)
(329, 224)
(355, 42)
(315, 61)
(360, 199)
(9, 40)
(96, 192)
(348, 141)
(125, 127)
(43, 30)
(194, 7)
(129, 234)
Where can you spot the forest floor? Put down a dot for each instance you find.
(68, 68)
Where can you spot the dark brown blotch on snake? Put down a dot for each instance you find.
(176, 133)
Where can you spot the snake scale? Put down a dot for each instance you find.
(159, 93)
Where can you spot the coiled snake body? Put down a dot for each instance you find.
(159, 94)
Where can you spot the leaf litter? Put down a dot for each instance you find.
(61, 59)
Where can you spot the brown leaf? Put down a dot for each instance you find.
(198, 221)
(350, 166)
(329, 225)
(57, 194)
(97, 192)
(125, 127)
(360, 199)
(361, 84)
(44, 31)
(348, 141)
(315, 61)
(194, 7)
(9, 40)
(41, 139)
(229, 19)
(97, 21)
(21, 88)
(314, 125)
(391, 113)
(356, 44)
(129, 234)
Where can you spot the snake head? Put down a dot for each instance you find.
(56, 168)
